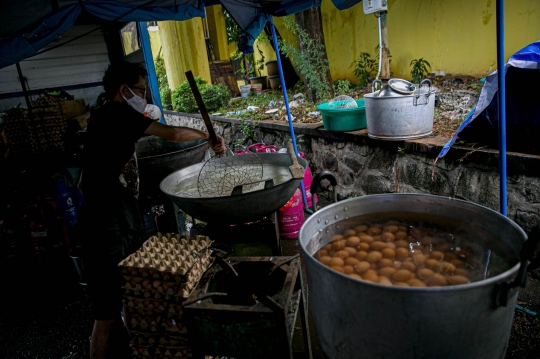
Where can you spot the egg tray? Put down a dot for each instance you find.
(149, 307)
(140, 352)
(165, 342)
(155, 324)
(176, 293)
(169, 258)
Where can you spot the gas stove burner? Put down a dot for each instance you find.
(256, 238)
(249, 313)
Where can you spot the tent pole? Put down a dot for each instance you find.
(286, 97)
(23, 85)
(150, 68)
(501, 93)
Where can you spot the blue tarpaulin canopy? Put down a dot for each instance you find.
(523, 115)
(29, 25)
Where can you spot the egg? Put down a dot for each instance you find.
(385, 281)
(402, 253)
(401, 243)
(388, 253)
(416, 283)
(387, 237)
(374, 257)
(371, 275)
(361, 267)
(457, 279)
(462, 271)
(444, 247)
(425, 273)
(363, 247)
(336, 261)
(322, 253)
(353, 241)
(418, 258)
(373, 265)
(361, 255)
(408, 266)
(377, 238)
(385, 262)
(387, 272)
(437, 255)
(401, 275)
(342, 254)
(427, 240)
(355, 276)
(339, 244)
(325, 260)
(390, 229)
(447, 267)
(328, 247)
(351, 250)
(349, 232)
(360, 228)
(336, 237)
(457, 263)
(366, 239)
(391, 245)
(351, 261)
(377, 246)
(374, 230)
(436, 280)
(401, 235)
(338, 269)
(348, 269)
(431, 263)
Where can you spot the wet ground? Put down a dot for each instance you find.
(46, 314)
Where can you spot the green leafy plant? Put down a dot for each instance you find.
(419, 69)
(260, 62)
(342, 87)
(247, 128)
(214, 96)
(309, 60)
(163, 84)
(166, 99)
(364, 66)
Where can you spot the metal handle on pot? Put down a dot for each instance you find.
(426, 95)
(505, 290)
(374, 83)
(317, 182)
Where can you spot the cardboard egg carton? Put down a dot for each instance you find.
(169, 258)
(159, 324)
(136, 306)
(146, 341)
(139, 352)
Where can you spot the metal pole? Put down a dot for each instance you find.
(501, 93)
(286, 97)
(149, 62)
(23, 84)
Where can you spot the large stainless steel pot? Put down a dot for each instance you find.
(237, 208)
(356, 319)
(395, 116)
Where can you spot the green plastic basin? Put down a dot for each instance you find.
(343, 119)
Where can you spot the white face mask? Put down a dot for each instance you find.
(136, 102)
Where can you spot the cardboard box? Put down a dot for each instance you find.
(73, 108)
(82, 120)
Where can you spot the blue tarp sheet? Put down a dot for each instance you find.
(522, 73)
(20, 41)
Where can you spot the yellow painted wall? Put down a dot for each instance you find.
(217, 31)
(454, 36)
(155, 43)
(184, 49)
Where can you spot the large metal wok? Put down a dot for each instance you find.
(279, 187)
(158, 158)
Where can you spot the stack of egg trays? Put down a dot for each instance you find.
(158, 278)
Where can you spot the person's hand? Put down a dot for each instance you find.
(219, 148)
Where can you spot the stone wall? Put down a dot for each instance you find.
(366, 166)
